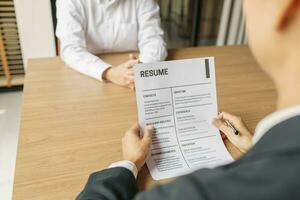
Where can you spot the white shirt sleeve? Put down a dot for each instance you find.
(126, 164)
(70, 31)
(150, 38)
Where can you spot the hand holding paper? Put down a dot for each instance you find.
(179, 98)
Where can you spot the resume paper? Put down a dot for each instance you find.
(179, 99)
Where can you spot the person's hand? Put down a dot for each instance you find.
(122, 74)
(243, 141)
(135, 148)
(133, 57)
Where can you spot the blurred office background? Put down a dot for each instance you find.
(27, 31)
(190, 23)
(202, 22)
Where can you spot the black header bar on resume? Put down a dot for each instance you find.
(207, 70)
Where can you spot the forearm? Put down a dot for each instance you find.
(153, 53)
(186, 187)
(152, 46)
(71, 26)
(84, 62)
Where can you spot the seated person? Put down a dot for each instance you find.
(270, 166)
(86, 28)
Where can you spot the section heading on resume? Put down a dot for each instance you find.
(154, 72)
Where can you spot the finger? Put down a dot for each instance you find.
(131, 82)
(130, 72)
(134, 129)
(129, 78)
(223, 136)
(222, 127)
(148, 131)
(132, 57)
(131, 63)
(229, 117)
(131, 86)
(236, 121)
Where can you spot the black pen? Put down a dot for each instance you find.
(234, 130)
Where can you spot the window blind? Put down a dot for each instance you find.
(10, 45)
(232, 28)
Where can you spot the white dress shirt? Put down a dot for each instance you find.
(126, 164)
(262, 128)
(90, 27)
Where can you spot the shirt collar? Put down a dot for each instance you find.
(273, 119)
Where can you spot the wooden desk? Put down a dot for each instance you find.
(72, 125)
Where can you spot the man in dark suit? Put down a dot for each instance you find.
(270, 168)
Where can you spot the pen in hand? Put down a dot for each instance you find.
(230, 125)
(234, 130)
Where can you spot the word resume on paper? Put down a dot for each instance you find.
(179, 99)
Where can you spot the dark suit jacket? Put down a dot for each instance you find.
(269, 171)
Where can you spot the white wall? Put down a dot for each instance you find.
(35, 28)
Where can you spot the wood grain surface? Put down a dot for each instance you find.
(72, 125)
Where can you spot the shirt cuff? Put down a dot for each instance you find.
(97, 72)
(152, 58)
(126, 164)
(147, 59)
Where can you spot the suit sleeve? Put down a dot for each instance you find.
(110, 184)
(207, 184)
(259, 178)
(226, 183)
(187, 187)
